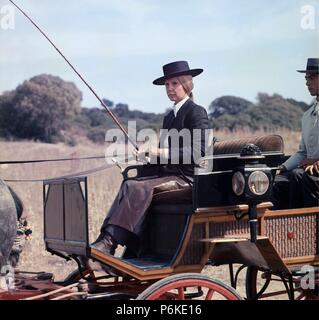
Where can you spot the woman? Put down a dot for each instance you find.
(129, 207)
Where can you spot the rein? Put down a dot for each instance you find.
(75, 174)
(50, 160)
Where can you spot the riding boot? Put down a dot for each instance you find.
(105, 243)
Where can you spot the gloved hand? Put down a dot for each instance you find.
(281, 169)
(150, 154)
(312, 169)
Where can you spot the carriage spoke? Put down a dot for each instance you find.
(181, 293)
(210, 294)
(301, 296)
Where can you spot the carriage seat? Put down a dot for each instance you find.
(170, 210)
(266, 143)
(173, 197)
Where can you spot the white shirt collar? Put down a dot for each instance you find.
(178, 105)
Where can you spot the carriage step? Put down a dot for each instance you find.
(231, 239)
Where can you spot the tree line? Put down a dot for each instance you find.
(47, 108)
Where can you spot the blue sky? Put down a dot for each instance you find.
(244, 46)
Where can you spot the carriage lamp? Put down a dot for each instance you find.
(238, 183)
(252, 183)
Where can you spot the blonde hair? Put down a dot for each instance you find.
(188, 85)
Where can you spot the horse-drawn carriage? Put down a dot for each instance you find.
(226, 218)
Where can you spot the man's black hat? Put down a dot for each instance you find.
(312, 66)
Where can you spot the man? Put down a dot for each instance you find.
(299, 175)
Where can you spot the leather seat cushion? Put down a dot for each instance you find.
(180, 196)
(265, 143)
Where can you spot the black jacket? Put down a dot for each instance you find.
(190, 116)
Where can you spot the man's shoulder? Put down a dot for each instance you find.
(308, 112)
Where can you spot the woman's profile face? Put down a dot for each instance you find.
(175, 91)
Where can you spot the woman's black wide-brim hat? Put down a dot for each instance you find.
(175, 69)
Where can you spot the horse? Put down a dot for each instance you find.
(11, 208)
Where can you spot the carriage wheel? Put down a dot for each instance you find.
(187, 286)
(76, 276)
(255, 290)
(307, 294)
(257, 282)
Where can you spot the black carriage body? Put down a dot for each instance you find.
(214, 189)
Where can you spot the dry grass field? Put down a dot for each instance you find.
(103, 187)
